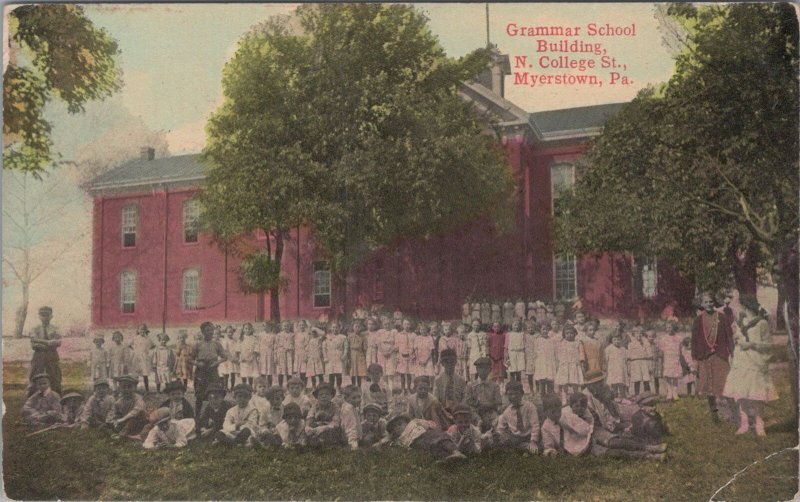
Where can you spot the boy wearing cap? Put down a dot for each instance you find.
(98, 359)
(99, 408)
(72, 406)
(449, 388)
(483, 392)
(518, 425)
(423, 405)
(214, 411)
(129, 416)
(372, 391)
(241, 421)
(292, 428)
(373, 427)
(178, 405)
(296, 395)
(323, 426)
(466, 436)
(208, 354)
(43, 407)
(168, 433)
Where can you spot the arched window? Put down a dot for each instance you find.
(127, 291)
(191, 289)
(130, 222)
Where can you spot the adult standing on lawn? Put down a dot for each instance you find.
(712, 347)
(45, 340)
(208, 354)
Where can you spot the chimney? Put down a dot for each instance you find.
(493, 77)
(147, 153)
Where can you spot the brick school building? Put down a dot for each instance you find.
(152, 265)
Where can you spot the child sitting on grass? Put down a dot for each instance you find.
(424, 405)
(577, 423)
(421, 435)
(72, 405)
(269, 417)
(129, 415)
(323, 426)
(373, 393)
(373, 427)
(351, 417)
(292, 428)
(241, 421)
(99, 408)
(551, 430)
(168, 433)
(466, 436)
(43, 408)
(295, 386)
(518, 425)
(213, 413)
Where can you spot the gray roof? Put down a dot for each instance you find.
(144, 172)
(574, 119)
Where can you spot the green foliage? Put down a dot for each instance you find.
(61, 55)
(89, 465)
(708, 168)
(259, 273)
(346, 118)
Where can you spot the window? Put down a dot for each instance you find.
(130, 220)
(191, 289)
(562, 178)
(191, 220)
(377, 287)
(322, 284)
(645, 276)
(565, 277)
(127, 292)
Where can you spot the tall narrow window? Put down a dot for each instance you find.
(191, 220)
(322, 284)
(130, 221)
(127, 291)
(645, 276)
(191, 289)
(566, 287)
(377, 287)
(562, 179)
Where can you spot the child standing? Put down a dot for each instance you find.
(163, 361)
(569, 360)
(387, 352)
(404, 345)
(119, 357)
(462, 352)
(638, 363)
(284, 352)
(592, 348)
(656, 360)
(300, 345)
(515, 351)
(314, 367)
(617, 366)
(670, 348)
(544, 349)
(531, 334)
(98, 359)
(184, 361)
(226, 367)
(496, 348)
(422, 352)
(357, 343)
(266, 352)
(373, 340)
(476, 347)
(141, 347)
(690, 372)
(334, 349)
(248, 355)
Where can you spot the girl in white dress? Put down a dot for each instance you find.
(248, 355)
(476, 347)
(404, 343)
(387, 353)
(422, 351)
(544, 349)
(670, 348)
(616, 362)
(266, 352)
(284, 353)
(119, 357)
(314, 367)
(300, 342)
(515, 351)
(569, 359)
(141, 345)
(531, 334)
(334, 351)
(234, 349)
(639, 359)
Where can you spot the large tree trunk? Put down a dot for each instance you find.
(274, 293)
(22, 313)
(744, 269)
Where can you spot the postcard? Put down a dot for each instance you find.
(385, 251)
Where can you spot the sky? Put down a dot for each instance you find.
(172, 56)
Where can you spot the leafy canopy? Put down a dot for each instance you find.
(347, 118)
(59, 54)
(706, 168)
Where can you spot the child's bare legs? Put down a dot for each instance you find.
(403, 382)
(757, 410)
(335, 379)
(303, 378)
(636, 388)
(690, 388)
(531, 387)
(280, 380)
(656, 385)
(356, 380)
(646, 386)
(146, 383)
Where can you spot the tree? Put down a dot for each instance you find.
(346, 118)
(58, 54)
(702, 171)
(35, 214)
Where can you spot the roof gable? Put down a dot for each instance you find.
(176, 169)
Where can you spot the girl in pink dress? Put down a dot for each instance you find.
(569, 359)
(670, 347)
(404, 345)
(422, 352)
(515, 351)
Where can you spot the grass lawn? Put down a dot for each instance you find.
(89, 465)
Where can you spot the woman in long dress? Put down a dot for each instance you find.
(749, 381)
